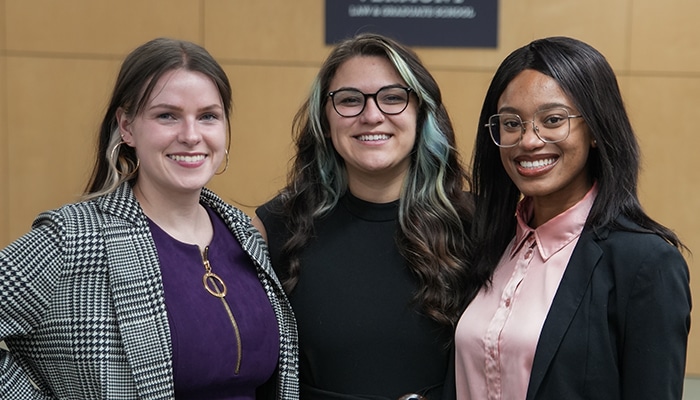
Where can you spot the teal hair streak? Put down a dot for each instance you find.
(330, 171)
(425, 183)
(425, 180)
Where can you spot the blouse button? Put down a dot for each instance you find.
(507, 302)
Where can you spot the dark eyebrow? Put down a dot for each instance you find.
(393, 85)
(546, 106)
(167, 106)
(212, 107)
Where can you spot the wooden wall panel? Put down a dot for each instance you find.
(601, 23)
(4, 209)
(463, 93)
(659, 108)
(665, 36)
(3, 23)
(52, 119)
(91, 27)
(265, 100)
(670, 184)
(286, 32)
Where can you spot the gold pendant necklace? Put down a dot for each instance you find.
(217, 288)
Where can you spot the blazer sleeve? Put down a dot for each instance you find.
(657, 324)
(29, 268)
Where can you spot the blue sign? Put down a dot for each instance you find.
(434, 23)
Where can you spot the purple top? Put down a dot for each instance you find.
(205, 351)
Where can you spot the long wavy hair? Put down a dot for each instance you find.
(141, 70)
(585, 76)
(434, 211)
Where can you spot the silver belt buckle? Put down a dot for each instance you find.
(412, 396)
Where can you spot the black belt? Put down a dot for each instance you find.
(313, 393)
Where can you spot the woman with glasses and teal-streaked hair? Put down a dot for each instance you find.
(370, 235)
(583, 296)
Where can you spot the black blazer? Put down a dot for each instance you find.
(619, 322)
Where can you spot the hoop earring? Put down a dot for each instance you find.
(116, 146)
(225, 167)
(111, 157)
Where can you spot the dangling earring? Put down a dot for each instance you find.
(114, 149)
(225, 167)
(116, 162)
(594, 144)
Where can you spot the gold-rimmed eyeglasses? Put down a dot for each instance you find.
(551, 126)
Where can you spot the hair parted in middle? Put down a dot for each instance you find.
(434, 211)
(587, 78)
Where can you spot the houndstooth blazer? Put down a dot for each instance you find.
(82, 307)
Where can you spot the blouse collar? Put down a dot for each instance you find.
(556, 233)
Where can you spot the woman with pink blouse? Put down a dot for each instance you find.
(584, 296)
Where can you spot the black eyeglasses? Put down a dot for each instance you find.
(390, 100)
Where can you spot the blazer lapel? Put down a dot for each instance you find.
(566, 302)
(251, 243)
(137, 292)
(254, 244)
